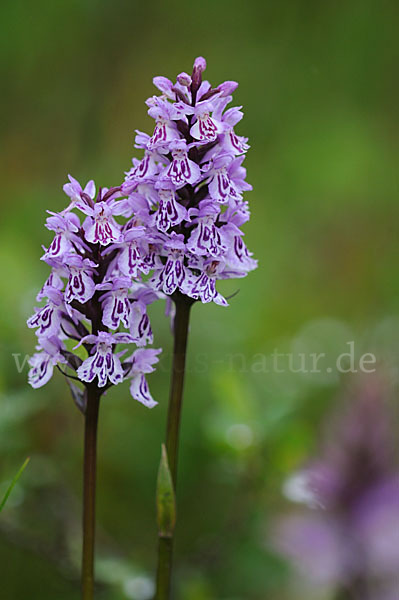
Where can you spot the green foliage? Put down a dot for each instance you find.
(13, 483)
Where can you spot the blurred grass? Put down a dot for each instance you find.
(320, 92)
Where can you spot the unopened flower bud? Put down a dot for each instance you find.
(184, 79)
(199, 66)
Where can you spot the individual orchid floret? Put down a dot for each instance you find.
(143, 169)
(170, 212)
(171, 276)
(165, 129)
(140, 326)
(141, 363)
(131, 258)
(79, 197)
(80, 286)
(203, 287)
(100, 225)
(231, 142)
(206, 238)
(238, 257)
(42, 363)
(48, 318)
(221, 186)
(116, 304)
(65, 227)
(182, 170)
(205, 128)
(103, 363)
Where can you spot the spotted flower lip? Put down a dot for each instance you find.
(181, 170)
(100, 226)
(140, 363)
(206, 127)
(42, 363)
(65, 226)
(116, 303)
(103, 364)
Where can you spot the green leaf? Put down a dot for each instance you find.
(166, 501)
(12, 484)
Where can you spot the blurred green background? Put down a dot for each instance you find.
(318, 82)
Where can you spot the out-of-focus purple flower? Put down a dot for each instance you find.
(377, 521)
(348, 538)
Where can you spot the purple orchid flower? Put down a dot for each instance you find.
(48, 318)
(221, 186)
(103, 363)
(165, 129)
(181, 170)
(140, 326)
(171, 276)
(133, 250)
(206, 128)
(206, 238)
(65, 227)
(141, 363)
(95, 281)
(203, 287)
(79, 197)
(170, 212)
(346, 540)
(100, 225)
(80, 286)
(116, 304)
(42, 363)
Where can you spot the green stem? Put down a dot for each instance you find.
(89, 491)
(165, 546)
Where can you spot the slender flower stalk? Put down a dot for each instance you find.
(181, 323)
(165, 541)
(89, 491)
